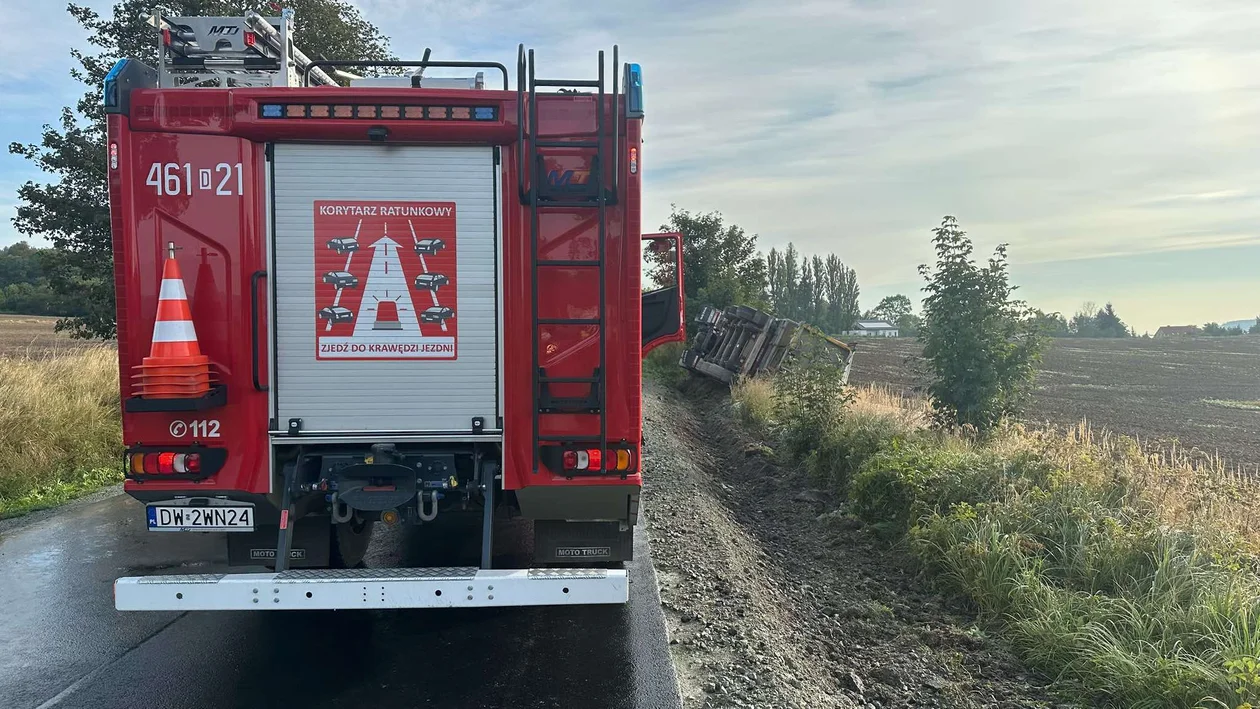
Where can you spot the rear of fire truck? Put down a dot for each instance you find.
(349, 301)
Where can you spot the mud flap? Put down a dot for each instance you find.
(310, 549)
(560, 542)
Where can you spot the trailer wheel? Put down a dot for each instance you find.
(349, 542)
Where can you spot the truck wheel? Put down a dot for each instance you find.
(349, 542)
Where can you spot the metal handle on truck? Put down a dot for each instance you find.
(253, 327)
(306, 73)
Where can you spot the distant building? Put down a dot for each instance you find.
(872, 328)
(1177, 330)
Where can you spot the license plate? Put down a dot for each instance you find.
(218, 518)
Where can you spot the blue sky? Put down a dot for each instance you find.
(1114, 145)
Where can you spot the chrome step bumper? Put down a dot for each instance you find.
(343, 589)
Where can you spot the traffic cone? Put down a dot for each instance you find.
(175, 367)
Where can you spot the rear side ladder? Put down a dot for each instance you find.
(598, 193)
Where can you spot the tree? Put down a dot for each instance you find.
(841, 286)
(721, 262)
(1255, 329)
(1109, 324)
(72, 209)
(805, 293)
(1219, 330)
(818, 304)
(1051, 324)
(891, 309)
(896, 310)
(981, 346)
(1092, 321)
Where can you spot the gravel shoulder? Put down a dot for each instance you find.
(772, 601)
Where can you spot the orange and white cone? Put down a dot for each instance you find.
(175, 367)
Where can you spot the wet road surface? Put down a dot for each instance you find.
(63, 645)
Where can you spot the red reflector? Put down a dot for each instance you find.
(570, 460)
(595, 455)
(151, 463)
(192, 462)
(166, 462)
(166, 37)
(250, 38)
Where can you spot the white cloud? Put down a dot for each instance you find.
(1069, 129)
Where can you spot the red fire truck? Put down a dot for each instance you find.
(349, 301)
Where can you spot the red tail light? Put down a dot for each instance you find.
(250, 39)
(171, 463)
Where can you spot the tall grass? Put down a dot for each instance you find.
(60, 431)
(1130, 574)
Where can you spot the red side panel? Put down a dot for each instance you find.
(568, 350)
(204, 193)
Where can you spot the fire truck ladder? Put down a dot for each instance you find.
(598, 192)
(231, 51)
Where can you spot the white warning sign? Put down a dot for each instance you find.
(385, 285)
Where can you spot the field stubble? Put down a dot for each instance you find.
(1171, 394)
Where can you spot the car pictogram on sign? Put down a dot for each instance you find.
(430, 281)
(336, 314)
(436, 314)
(428, 247)
(341, 279)
(343, 245)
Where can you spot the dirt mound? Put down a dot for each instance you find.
(775, 599)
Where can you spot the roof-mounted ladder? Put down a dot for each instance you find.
(231, 51)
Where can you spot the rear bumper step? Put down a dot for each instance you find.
(337, 589)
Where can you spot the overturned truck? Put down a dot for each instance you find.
(740, 341)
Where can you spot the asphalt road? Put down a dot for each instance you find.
(63, 645)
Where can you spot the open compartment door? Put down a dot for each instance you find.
(663, 320)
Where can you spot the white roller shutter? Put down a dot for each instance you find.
(385, 287)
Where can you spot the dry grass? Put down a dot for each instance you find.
(59, 425)
(754, 399)
(1129, 571)
(1185, 487)
(883, 400)
(34, 336)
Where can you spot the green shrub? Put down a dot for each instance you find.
(810, 396)
(661, 365)
(847, 445)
